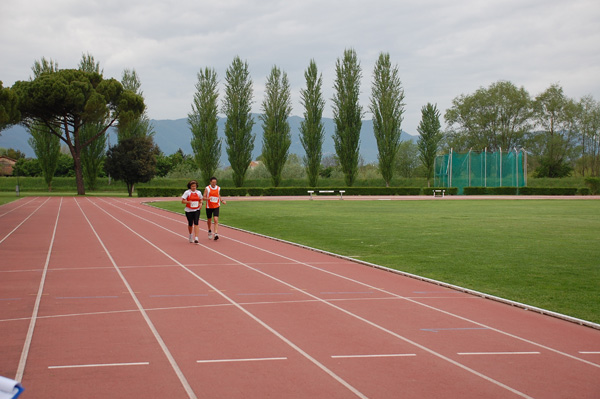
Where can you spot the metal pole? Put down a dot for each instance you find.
(517, 166)
(450, 176)
(485, 167)
(500, 167)
(469, 165)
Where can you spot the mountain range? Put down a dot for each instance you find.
(171, 135)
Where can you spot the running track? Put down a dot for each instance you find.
(105, 298)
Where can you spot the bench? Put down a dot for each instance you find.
(439, 193)
(311, 192)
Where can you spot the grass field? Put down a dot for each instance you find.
(544, 253)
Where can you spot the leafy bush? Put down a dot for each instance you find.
(584, 191)
(548, 190)
(594, 184)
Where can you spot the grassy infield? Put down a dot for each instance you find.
(545, 253)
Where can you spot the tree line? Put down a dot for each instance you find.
(78, 106)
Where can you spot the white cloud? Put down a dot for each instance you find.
(443, 49)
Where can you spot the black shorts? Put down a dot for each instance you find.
(193, 217)
(210, 212)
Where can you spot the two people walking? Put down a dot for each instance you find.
(193, 200)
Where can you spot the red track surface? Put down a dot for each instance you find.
(105, 298)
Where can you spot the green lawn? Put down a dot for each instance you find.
(545, 253)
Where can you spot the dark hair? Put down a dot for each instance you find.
(192, 182)
(212, 178)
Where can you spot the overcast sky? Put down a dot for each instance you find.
(442, 48)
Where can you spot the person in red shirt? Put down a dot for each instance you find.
(212, 196)
(192, 199)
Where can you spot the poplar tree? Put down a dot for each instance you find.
(312, 131)
(277, 138)
(238, 127)
(93, 155)
(387, 109)
(45, 145)
(347, 114)
(203, 123)
(430, 137)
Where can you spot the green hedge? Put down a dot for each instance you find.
(490, 191)
(594, 184)
(548, 190)
(295, 191)
(584, 191)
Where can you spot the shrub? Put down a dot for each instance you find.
(449, 190)
(548, 190)
(584, 191)
(594, 184)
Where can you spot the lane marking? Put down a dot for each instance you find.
(373, 324)
(267, 293)
(347, 292)
(497, 353)
(453, 329)
(590, 353)
(369, 356)
(85, 297)
(10, 299)
(27, 218)
(234, 303)
(153, 329)
(259, 359)
(38, 298)
(75, 366)
(15, 208)
(175, 295)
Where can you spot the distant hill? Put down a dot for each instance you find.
(172, 135)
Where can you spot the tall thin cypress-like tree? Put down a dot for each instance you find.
(203, 123)
(387, 108)
(45, 145)
(277, 138)
(238, 127)
(312, 131)
(347, 114)
(430, 137)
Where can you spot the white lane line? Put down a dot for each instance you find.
(157, 336)
(75, 366)
(497, 353)
(38, 298)
(409, 299)
(20, 224)
(234, 303)
(369, 356)
(17, 207)
(589, 353)
(321, 300)
(259, 359)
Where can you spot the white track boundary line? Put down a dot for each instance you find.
(76, 366)
(496, 353)
(567, 318)
(38, 298)
(20, 224)
(157, 336)
(241, 308)
(377, 326)
(258, 359)
(17, 207)
(375, 356)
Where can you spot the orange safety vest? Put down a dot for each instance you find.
(194, 197)
(214, 197)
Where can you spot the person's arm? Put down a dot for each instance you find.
(184, 199)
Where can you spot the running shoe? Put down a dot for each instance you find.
(216, 237)
(209, 235)
(196, 240)
(191, 238)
